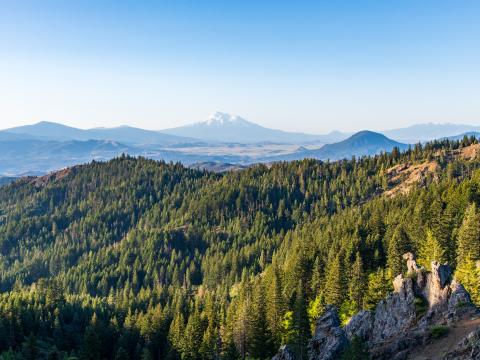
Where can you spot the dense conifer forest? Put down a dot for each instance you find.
(138, 259)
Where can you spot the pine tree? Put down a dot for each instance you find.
(378, 288)
(261, 346)
(91, 345)
(468, 274)
(431, 250)
(210, 348)
(357, 283)
(334, 284)
(440, 227)
(193, 335)
(176, 333)
(469, 236)
(398, 246)
(275, 307)
(316, 275)
(29, 348)
(242, 328)
(300, 324)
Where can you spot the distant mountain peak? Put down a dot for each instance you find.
(220, 118)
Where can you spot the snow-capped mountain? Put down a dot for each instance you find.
(222, 127)
(222, 119)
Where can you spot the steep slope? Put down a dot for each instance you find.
(134, 258)
(395, 329)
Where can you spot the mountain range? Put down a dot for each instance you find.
(222, 127)
(363, 143)
(221, 139)
(53, 131)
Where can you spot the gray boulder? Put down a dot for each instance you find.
(284, 353)
(360, 325)
(396, 313)
(329, 339)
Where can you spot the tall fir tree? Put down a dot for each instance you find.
(301, 326)
(398, 245)
(469, 236)
(431, 250)
(357, 283)
(261, 346)
(334, 282)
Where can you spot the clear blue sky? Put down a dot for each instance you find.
(297, 65)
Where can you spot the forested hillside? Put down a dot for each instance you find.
(137, 259)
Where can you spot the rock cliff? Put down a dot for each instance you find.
(398, 324)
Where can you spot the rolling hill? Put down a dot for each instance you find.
(363, 143)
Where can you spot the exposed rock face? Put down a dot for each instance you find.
(433, 286)
(284, 353)
(467, 349)
(394, 327)
(329, 339)
(411, 263)
(360, 325)
(396, 313)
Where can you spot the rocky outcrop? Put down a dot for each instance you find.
(360, 325)
(467, 349)
(411, 263)
(329, 339)
(398, 323)
(284, 353)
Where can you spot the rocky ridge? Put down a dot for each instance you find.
(398, 324)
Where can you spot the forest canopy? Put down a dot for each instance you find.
(139, 259)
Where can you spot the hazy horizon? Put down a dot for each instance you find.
(303, 66)
(255, 122)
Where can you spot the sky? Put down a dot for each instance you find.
(312, 66)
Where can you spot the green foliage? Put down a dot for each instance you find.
(398, 245)
(139, 259)
(438, 331)
(469, 235)
(379, 285)
(468, 274)
(431, 250)
(421, 306)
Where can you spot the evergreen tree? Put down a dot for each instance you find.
(431, 250)
(468, 274)
(300, 324)
(379, 285)
(276, 307)
(397, 246)
(357, 283)
(469, 236)
(176, 333)
(193, 335)
(334, 282)
(29, 348)
(261, 346)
